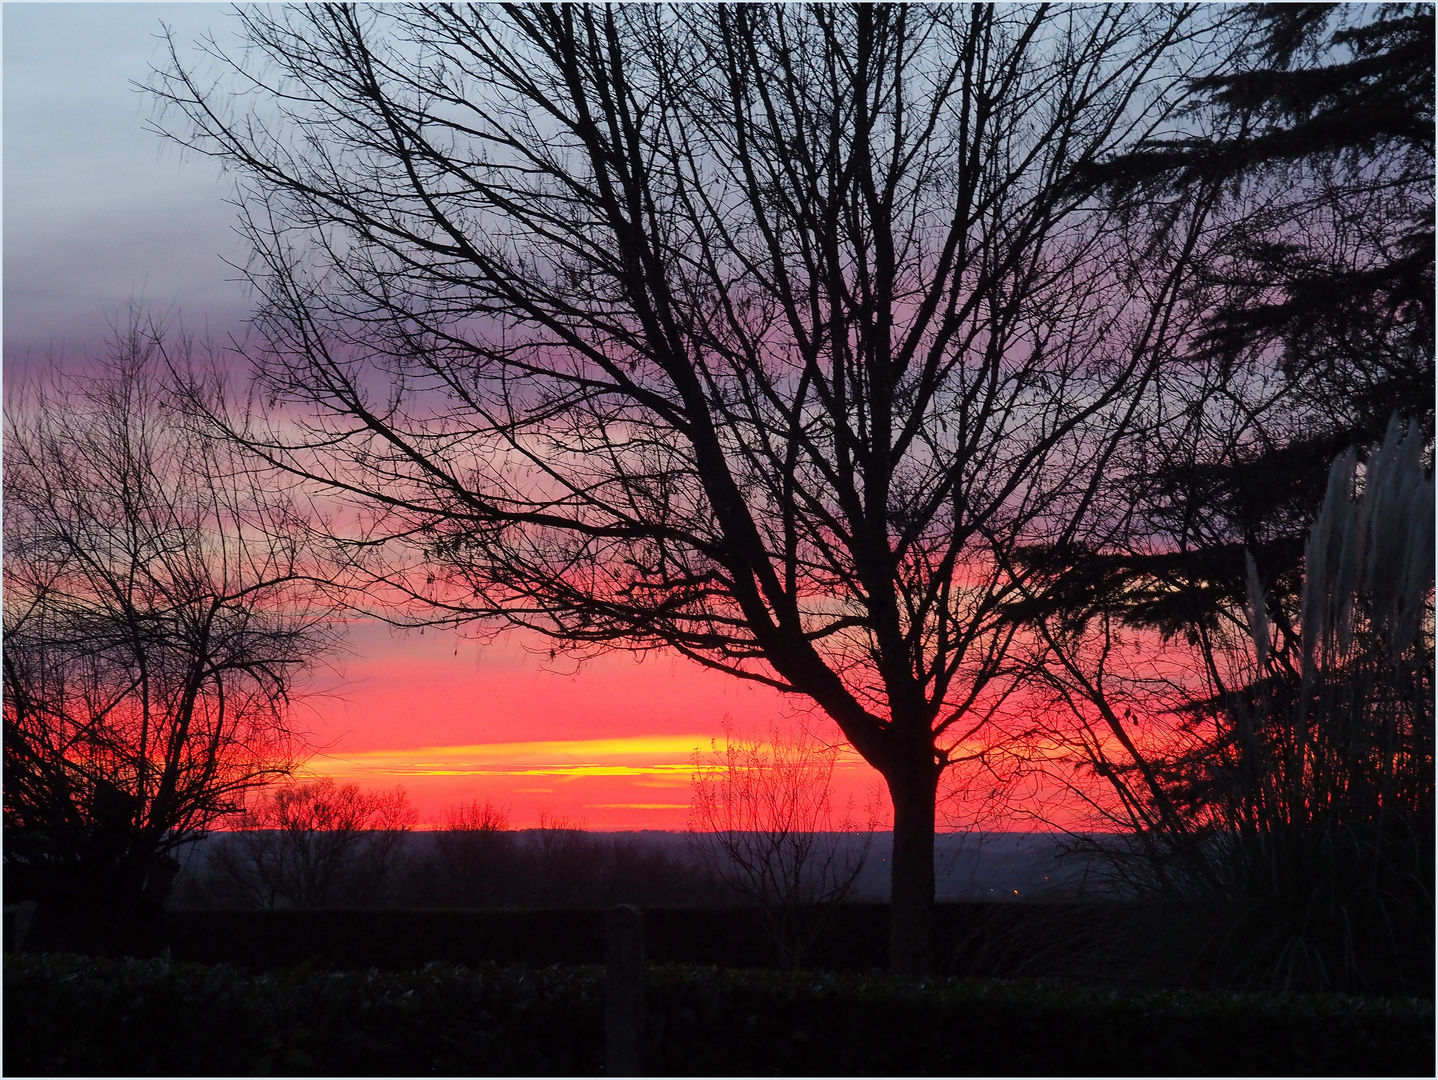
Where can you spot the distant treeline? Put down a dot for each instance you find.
(555, 867)
(564, 867)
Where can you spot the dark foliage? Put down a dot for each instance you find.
(1155, 944)
(73, 1016)
(1325, 278)
(1289, 773)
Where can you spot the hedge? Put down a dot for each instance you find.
(1092, 941)
(1153, 944)
(71, 1015)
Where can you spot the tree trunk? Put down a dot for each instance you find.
(911, 909)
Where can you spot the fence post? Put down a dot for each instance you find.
(623, 990)
(18, 918)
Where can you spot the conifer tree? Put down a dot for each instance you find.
(1319, 292)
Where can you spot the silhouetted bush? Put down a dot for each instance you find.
(402, 940)
(761, 821)
(1307, 818)
(78, 1016)
(67, 1015)
(1174, 945)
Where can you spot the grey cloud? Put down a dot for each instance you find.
(98, 212)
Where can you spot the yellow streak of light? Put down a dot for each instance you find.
(553, 770)
(640, 755)
(666, 760)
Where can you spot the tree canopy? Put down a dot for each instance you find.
(762, 334)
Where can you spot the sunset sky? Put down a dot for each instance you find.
(99, 213)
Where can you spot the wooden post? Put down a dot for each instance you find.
(18, 918)
(623, 990)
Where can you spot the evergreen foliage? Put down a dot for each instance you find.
(73, 1016)
(1317, 292)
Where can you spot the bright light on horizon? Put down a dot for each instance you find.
(608, 782)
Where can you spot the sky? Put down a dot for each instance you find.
(98, 211)
(99, 214)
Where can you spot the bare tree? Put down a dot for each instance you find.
(472, 853)
(158, 609)
(761, 818)
(751, 332)
(315, 844)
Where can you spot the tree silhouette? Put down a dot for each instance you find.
(472, 855)
(1321, 290)
(158, 608)
(315, 844)
(755, 333)
(1317, 315)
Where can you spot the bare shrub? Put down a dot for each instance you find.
(761, 818)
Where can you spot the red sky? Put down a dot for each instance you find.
(607, 746)
(99, 214)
